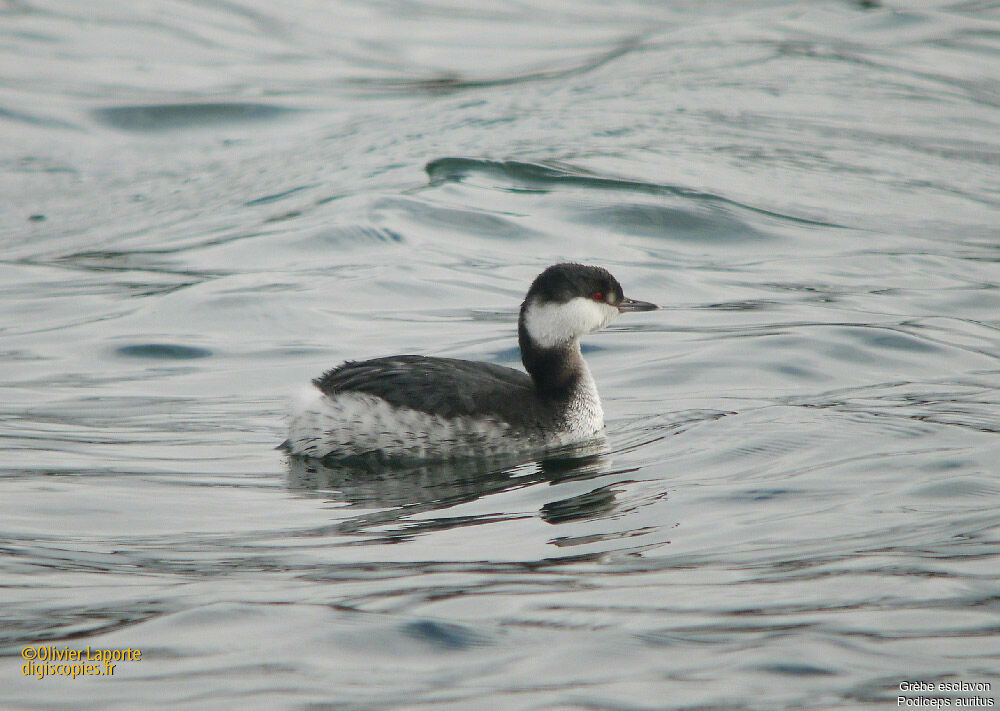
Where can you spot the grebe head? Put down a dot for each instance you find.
(567, 301)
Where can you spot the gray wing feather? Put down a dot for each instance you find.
(442, 386)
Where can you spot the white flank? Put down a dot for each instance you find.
(356, 424)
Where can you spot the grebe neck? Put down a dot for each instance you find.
(557, 371)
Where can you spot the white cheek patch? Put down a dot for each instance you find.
(551, 325)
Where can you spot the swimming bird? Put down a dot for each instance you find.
(412, 406)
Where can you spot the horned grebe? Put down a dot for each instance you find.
(411, 406)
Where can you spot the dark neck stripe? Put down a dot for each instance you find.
(557, 371)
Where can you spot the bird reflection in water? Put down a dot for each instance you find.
(399, 489)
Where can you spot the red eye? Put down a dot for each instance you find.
(597, 296)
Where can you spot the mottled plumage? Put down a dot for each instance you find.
(418, 406)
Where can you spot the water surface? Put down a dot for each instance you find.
(207, 204)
